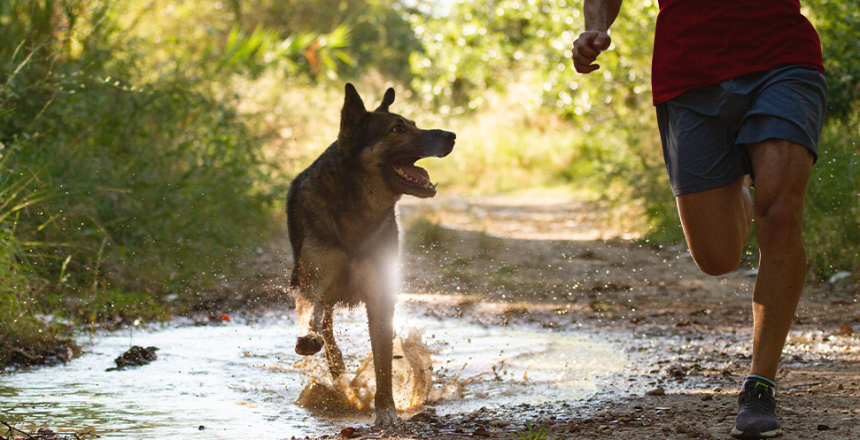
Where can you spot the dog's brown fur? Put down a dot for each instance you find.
(344, 232)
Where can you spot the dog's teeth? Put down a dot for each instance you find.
(411, 179)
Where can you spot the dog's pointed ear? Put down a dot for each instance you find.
(386, 100)
(353, 107)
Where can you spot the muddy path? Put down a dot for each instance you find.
(550, 262)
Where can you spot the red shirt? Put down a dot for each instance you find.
(702, 42)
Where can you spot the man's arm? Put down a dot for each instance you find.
(599, 15)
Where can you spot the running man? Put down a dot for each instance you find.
(740, 97)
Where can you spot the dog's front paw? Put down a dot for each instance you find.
(308, 345)
(386, 418)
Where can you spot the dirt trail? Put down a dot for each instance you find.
(550, 262)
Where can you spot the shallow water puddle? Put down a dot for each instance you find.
(240, 380)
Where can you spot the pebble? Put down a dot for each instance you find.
(691, 431)
(349, 432)
(426, 416)
(684, 428)
(823, 427)
(481, 432)
(656, 392)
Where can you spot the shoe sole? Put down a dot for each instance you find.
(753, 434)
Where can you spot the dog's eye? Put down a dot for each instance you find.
(398, 129)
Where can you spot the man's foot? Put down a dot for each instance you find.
(757, 414)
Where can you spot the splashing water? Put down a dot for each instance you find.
(411, 371)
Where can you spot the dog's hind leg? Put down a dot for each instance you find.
(332, 352)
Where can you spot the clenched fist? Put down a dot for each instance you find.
(587, 47)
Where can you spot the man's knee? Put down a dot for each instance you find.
(778, 225)
(782, 173)
(716, 263)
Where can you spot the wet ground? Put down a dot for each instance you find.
(668, 346)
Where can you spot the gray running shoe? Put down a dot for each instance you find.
(757, 415)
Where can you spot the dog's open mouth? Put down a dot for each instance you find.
(414, 179)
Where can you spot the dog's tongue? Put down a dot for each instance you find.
(418, 174)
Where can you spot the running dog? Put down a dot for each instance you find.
(344, 233)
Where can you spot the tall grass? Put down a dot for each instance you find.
(158, 184)
(19, 282)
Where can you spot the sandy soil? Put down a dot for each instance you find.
(550, 262)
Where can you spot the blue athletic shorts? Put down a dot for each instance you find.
(705, 131)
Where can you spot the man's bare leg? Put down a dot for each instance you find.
(782, 172)
(716, 224)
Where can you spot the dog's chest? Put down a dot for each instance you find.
(363, 234)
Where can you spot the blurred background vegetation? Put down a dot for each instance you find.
(145, 145)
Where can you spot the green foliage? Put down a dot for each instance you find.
(838, 25)
(832, 221)
(349, 37)
(18, 282)
(481, 46)
(158, 184)
(300, 55)
(531, 434)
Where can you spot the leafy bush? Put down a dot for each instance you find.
(157, 183)
(838, 25)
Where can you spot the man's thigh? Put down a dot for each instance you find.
(782, 172)
(716, 226)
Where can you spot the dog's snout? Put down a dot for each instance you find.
(448, 138)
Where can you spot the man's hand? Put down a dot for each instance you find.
(587, 47)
